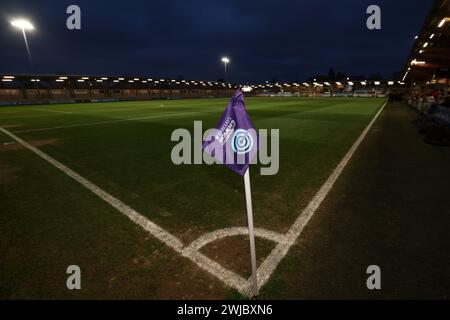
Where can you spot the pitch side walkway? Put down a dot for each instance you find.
(391, 208)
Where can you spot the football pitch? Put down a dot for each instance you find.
(93, 185)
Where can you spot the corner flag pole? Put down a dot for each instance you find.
(248, 200)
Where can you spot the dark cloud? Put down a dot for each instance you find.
(283, 39)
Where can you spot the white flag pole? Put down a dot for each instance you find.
(248, 200)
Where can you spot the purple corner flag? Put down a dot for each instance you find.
(234, 141)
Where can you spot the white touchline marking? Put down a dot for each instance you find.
(266, 269)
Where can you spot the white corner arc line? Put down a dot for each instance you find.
(235, 231)
(269, 265)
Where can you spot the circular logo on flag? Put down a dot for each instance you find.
(242, 141)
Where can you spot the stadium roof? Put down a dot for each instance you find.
(430, 56)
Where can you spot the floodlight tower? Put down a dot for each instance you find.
(225, 61)
(24, 25)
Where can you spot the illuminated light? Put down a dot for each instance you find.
(416, 37)
(121, 79)
(377, 83)
(443, 21)
(22, 24)
(226, 60)
(306, 84)
(391, 83)
(350, 83)
(6, 80)
(104, 78)
(415, 62)
(149, 79)
(80, 80)
(363, 83)
(144, 81)
(432, 36)
(420, 51)
(425, 44)
(327, 83)
(339, 83)
(99, 80)
(404, 77)
(136, 79)
(8, 77)
(130, 81)
(63, 78)
(116, 80)
(59, 80)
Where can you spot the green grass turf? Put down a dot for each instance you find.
(48, 221)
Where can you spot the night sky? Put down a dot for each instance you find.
(283, 40)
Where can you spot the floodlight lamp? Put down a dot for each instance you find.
(22, 24)
(443, 21)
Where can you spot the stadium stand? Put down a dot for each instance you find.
(427, 72)
(329, 89)
(427, 66)
(30, 89)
